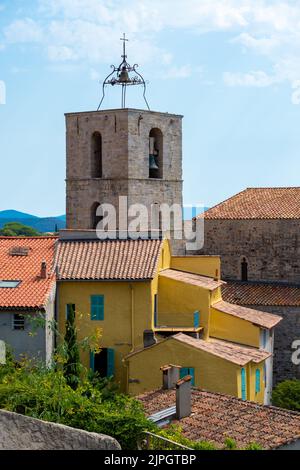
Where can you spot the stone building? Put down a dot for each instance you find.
(108, 157)
(256, 233)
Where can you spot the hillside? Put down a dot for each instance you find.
(41, 224)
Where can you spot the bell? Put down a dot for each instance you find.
(123, 76)
(152, 163)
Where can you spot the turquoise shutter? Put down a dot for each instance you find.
(97, 307)
(196, 319)
(110, 362)
(92, 360)
(184, 371)
(243, 379)
(257, 381)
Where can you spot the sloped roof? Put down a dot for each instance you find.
(194, 279)
(266, 320)
(32, 292)
(236, 353)
(232, 352)
(216, 417)
(259, 203)
(107, 260)
(261, 294)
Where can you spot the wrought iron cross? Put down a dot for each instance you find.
(124, 39)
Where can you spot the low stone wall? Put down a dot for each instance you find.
(18, 432)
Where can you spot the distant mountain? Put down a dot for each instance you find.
(42, 224)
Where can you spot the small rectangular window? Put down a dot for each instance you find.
(9, 284)
(18, 322)
(97, 307)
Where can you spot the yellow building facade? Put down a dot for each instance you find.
(154, 309)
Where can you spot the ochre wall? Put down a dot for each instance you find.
(211, 373)
(230, 328)
(204, 265)
(116, 327)
(177, 302)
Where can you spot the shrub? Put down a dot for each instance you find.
(287, 395)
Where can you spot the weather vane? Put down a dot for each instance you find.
(121, 76)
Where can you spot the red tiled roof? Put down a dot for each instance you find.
(232, 352)
(259, 203)
(194, 279)
(216, 417)
(261, 294)
(108, 260)
(32, 292)
(266, 320)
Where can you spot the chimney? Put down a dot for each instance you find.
(170, 376)
(149, 338)
(183, 397)
(44, 270)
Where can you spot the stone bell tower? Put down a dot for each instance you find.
(121, 152)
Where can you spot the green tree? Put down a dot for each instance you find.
(287, 395)
(15, 229)
(72, 365)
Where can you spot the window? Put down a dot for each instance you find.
(103, 362)
(257, 381)
(155, 154)
(96, 215)
(244, 270)
(97, 307)
(9, 284)
(184, 371)
(243, 384)
(96, 164)
(69, 308)
(18, 322)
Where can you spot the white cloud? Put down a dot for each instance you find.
(22, 31)
(86, 30)
(256, 78)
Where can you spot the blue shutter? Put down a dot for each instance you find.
(92, 361)
(110, 362)
(97, 307)
(196, 319)
(184, 371)
(257, 381)
(243, 379)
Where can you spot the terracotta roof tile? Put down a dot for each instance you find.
(266, 320)
(261, 294)
(194, 279)
(232, 352)
(32, 292)
(259, 203)
(215, 417)
(108, 260)
(236, 353)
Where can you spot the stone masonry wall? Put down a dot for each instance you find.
(18, 432)
(271, 248)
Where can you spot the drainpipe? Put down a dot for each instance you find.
(132, 318)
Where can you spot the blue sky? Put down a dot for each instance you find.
(232, 68)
